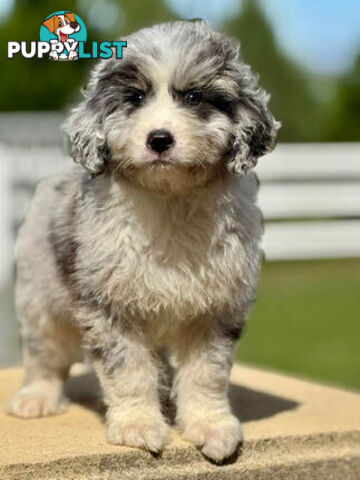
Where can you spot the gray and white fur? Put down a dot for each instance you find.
(145, 248)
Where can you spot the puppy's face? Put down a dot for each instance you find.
(179, 110)
(171, 128)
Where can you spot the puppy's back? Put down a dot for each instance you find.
(38, 277)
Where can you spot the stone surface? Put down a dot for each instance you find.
(293, 429)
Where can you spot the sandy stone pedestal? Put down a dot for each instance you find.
(293, 429)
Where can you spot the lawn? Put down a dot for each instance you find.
(306, 321)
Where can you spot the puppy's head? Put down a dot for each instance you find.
(62, 25)
(180, 109)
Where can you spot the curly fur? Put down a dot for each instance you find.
(135, 252)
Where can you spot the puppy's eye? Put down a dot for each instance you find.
(194, 97)
(136, 97)
(60, 24)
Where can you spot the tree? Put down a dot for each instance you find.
(292, 101)
(344, 117)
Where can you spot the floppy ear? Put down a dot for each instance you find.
(256, 129)
(87, 138)
(50, 24)
(70, 16)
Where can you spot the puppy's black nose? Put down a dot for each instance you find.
(160, 140)
(73, 25)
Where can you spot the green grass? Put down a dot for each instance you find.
(307, 321)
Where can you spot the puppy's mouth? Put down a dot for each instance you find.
(161, 162)
(63, 37)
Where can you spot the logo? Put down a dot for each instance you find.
(62, 38)
(64, 31)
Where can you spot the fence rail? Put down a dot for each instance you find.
(310, 197)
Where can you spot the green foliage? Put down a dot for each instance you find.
(344, 119)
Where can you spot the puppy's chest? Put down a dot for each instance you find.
(183, 267)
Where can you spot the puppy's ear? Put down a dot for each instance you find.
(87, 138)
(50, 24)
(70, 16)
(255, 129)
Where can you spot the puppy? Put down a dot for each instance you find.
(63, 26)
(152, 243)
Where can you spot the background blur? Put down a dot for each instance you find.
(307, 53)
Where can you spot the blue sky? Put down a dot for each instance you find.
(324, 35)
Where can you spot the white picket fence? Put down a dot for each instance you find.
(309, 194)
(310, 197)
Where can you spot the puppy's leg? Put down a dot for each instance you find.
(201, 382)
(129, 378)
(49, 349)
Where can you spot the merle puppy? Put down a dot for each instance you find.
(151, 243)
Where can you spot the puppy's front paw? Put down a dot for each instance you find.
(33, 402)
(139, 431)
(218, 438)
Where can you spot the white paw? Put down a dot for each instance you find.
(32, 402)
(217, 438)
(143, 432)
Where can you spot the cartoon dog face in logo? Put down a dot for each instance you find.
(62, 26)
